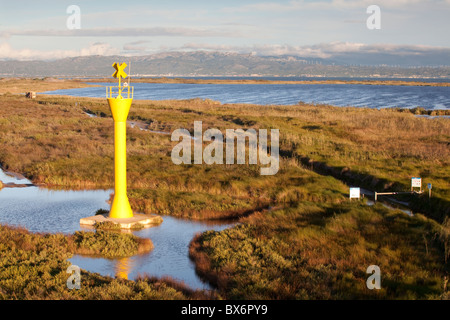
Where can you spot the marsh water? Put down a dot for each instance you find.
(358, 95)
(56, 211)
(169, 256)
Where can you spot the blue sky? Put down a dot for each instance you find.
(37, 29)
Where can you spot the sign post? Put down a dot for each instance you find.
(429, 190)
(416, 183)
(355, 193)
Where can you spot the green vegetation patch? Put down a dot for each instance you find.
(106, 243)
(34, 266)
(314, 251)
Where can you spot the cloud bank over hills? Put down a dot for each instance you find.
(411, 62)
(342, 53)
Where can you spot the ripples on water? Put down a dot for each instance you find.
(372, 96)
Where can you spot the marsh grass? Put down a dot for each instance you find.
(111, 226)
(376, 149)
(315, 245)
(109, 242)
(12, 86)
(314, 251)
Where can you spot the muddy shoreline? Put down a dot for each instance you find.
(262, 81)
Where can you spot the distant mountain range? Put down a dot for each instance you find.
(207, 64)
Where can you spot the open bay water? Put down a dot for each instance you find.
(342, 95)
(58, 211)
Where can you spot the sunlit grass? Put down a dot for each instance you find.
(316, 251)
(377, 149)
(312, 243)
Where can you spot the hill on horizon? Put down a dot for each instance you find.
(204, 63)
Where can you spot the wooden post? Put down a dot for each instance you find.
(375, 196)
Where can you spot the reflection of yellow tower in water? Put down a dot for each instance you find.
(123, 268)
(120, 107)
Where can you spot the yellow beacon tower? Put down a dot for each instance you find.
(120, 106)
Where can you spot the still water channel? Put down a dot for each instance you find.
(42, 210)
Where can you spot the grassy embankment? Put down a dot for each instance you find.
(316, 236)
(377, 149)
(322, 251)
(23, 85)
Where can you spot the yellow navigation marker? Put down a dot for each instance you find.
(120, 107)
(121, 213)
(119, 70)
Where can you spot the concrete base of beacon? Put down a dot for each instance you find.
(137, 221)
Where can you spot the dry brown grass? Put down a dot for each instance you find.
(66, 148)
(21, 85)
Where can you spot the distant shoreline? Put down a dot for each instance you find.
(262, 81)
(23, 85)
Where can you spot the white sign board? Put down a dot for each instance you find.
(416, 182)
(355, 193)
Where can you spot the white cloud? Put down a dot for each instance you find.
(8, 52)
(315, 51)
(297, 5)
(323, 50)
(124, 32)
(267, 6)
(136, 46)
(381, 3)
